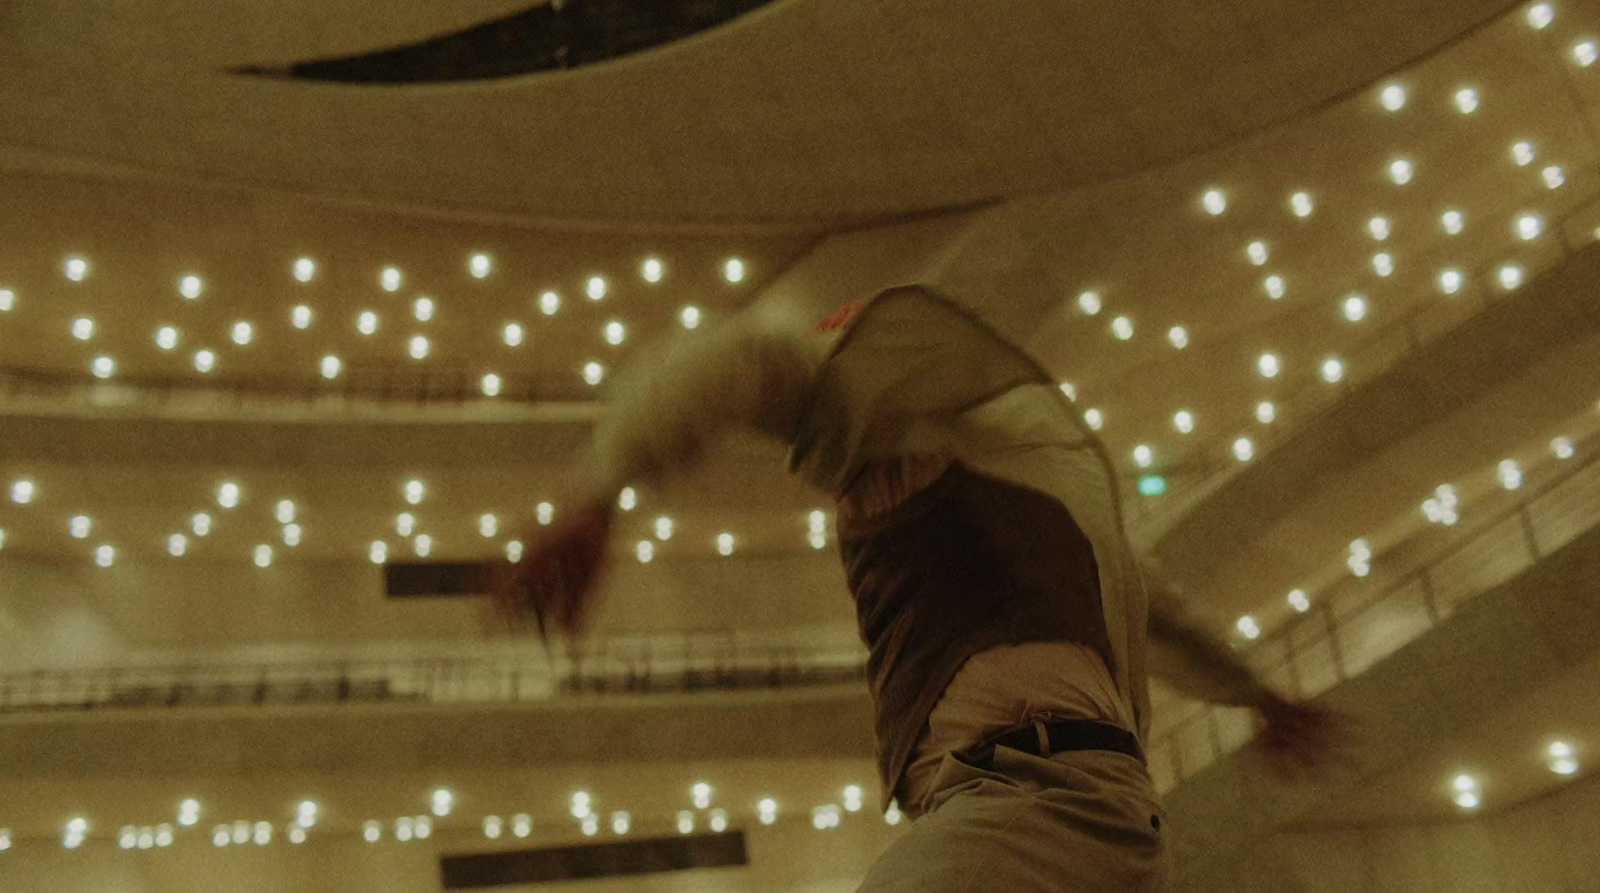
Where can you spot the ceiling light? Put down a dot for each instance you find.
(522, 824)
(545, 512)
(825, 817)
(1122, 328)
(1355, 308)
(177, 545)
(479, 265)
(166, 337)
(1274, 287)
(1540, 15)
(1183, 420)
(1248, 627)
(1094, 418)
(242, 333)
(205, 360)
(371, 831)
(418, 347)
(645, 551)
(284, 511)
(228, 495)
(595, 288)
(718, 820)
(579, 804)
(1266, 413)
(1522, 153)
(1379, 228)
(689, 317)
(1450, 281)
(492, 826)
(1553, 177)
(1467, 100)
(1453, 222)
(389, 279)
(189, 812)
(79, 527)
(22, 492)
(422, 309)
(621, 822)
(1179, 336)
(1401, 171)
(304, 269)
(83, 328)
(292, 534)
(1360, 558)
(685, 822)
(422, 545)
(263, 556)
(200, 524)
(1467, 794)
(1214, 201)
(76, 268)
(593, 372)
(512, 334)
(1510, 474)
(651, 270)
(733, 270)
(220, 836)
(1069, 390)
(590, 825)
(105, 556)
(1332, 370)
(442, 801)
(1393, 97)
(1243, 449)
(1562, 448)
(614, 333)
(663, 528)
(330, 366)
(1529, 226)
(767, 810)
(1510, 277)
(1383, 264)
(413, 492)
(8, 300)
(1586, 53)
(190, 287)
(1269, 365)
(725, 544)
(367, 322)
(852, 796)
(817, 539)
(297, 835)
(549, 303)
(1298, 601)
(103, 367)
(378, 552)
(491, 385)
(1301, 205)
(1089, 302)
(1257, 252)
(1142, 456)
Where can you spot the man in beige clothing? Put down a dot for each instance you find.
(1010, 626)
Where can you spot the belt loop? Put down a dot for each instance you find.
(1044, 736)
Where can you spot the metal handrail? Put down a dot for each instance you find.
(1207, 733)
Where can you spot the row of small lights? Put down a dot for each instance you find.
(418, 347)
(408, 828)
(1560, 757)
(1440, 508)
(229, 495)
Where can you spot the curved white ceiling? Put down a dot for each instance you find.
(811, 110)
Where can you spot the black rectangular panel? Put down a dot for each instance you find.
(593, 861)
(423, 579)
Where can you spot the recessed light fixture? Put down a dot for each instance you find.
(330, 367)
(1214, 201)
(1301, 204)
(1467, 100)
(1453, 222)
(1393, 97)
(83, 328)
(243, 333)
(689, 317)
(76, 269)
(1522, 153)
(512, 334)
(479, 265)
(1179, 336)
(733, 270)
(593, 373)
(1332, 370)
(304, 269)
(1122, 328)
(1529, 227)
(1183, 420)
(414, 491)
(367, 322)
(1266, 412)
(1553, 177)
(190, 287)
(1089, 302)
(1094, 418)
(1383, 264)
(1563, 448)
(615, 333)
(1401, 170)
(724, 544)
(1586, 53)
(8, 300)
(1143, 456)
(103, 367)
(1540, 15)
(1257, 252)
(549, 303)
(390, 279)
(422, 309)
(1248, 627)
(652, 270)
(1243, 449)
(300, 316)
(228, 495)
(418, 347)
(645, 551)
(1510, 277)
(491, 385)
(1269, 365)
(1298, 600)
(595, 288)
(1378, 227)
(1355, 308)
(1450, 281)
(1274, 287)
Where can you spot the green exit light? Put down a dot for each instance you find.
(1152, 485)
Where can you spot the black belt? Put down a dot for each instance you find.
(1042, 739)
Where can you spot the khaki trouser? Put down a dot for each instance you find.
(1077, 822)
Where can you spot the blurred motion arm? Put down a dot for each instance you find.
(1187, 657)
